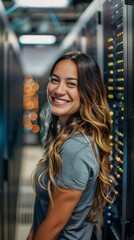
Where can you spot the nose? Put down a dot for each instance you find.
(60, 88)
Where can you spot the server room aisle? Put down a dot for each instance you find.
(25, 202)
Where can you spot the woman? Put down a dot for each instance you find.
(72, 179)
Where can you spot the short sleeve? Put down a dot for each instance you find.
(77, 165)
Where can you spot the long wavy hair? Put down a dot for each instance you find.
(93, 118)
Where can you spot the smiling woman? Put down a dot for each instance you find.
(73, 174)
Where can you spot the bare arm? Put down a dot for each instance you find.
(59, 214)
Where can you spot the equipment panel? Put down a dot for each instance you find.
(114, 80)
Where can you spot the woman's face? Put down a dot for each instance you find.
(63, 91)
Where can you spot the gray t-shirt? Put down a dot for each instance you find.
(80, 171)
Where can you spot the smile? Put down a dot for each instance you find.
(58, 101)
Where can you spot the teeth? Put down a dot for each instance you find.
(58, 100)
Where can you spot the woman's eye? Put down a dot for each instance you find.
(71, 84)
(53, 80)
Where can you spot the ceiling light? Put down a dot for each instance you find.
(37, 39)
(42, 3)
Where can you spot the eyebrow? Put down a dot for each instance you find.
(68, 78)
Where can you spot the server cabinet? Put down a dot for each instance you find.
(14, 135)
(14, 129)
(1, 128)
(3, 28)
(117, 23)
(128, 207)
(11, 96)
(91, 35)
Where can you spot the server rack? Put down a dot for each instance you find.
(11, 95)
(1, 137)
(14, 128)
(3, 27)
(117, 23)
(128, 214)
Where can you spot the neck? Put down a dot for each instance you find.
(62, 122)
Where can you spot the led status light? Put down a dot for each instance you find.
(110, 88)
(119, 34)
(110, 55)
(110, 47)
(110, 64)
(120, 52)
(110, 80)
(110, 39)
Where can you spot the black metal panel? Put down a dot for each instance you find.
(129, 111)
(114, 80)
(1, 125)
(118, 75)
(13, 99)
(11, 96)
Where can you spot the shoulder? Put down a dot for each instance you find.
(74, 143)
(79, 147)
(79, 164)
